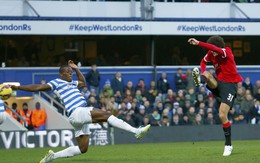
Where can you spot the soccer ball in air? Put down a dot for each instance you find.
(5, 91)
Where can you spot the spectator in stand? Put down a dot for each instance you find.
(198, 120)
(155, 118)
(176, 106)
(165, 121)
(118, 97)
(257, 94)
(200, 99)
(14, 107)
(192, 115)
(105, 96)
(185, 120)
(181, 98)
(248, 85)
(203, 92)
(159, 98)
(192, 94)
(170, 95)
(163, 84)
(168, 105)
(128, 96)
(140, 115)
(150, 95)
(254, 113)
(232, 115)
(256, 87)
(94, 94)
(138, 96)
(180, 80)
(39, 117)
(113, 105)
(128, 119)
(26, 114)
(148, 108)
(146, 120)
(239, 98)
(246, 105)
(129, 86)
(159, 107)
(141, 86)
(210, 119)
(93, 102)
(118, 83)
(93, 78)
(175, 120)
(186, 106)
(107, 87)
(190, 82)
(153, 87)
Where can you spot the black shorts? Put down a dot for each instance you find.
(225, 92)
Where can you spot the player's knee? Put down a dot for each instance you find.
(207, 74)
(222, 116)
(83, 149)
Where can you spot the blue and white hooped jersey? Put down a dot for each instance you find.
(69, 93)
(2, 106)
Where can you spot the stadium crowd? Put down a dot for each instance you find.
(159, 105)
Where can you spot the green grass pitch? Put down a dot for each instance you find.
(208, 152)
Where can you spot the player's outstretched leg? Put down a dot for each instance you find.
(119, 123)
(196, 76)
(65, 153)
(101, 116)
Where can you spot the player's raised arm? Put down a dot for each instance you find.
(81, 78)
(32, 87)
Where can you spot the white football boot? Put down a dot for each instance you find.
(227, 150)
(141, 131)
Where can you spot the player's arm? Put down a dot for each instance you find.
(210, 47)
(32, 87)
(81, 78)
(206, 59)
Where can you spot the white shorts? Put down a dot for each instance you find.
(79, 119)
(2, 117)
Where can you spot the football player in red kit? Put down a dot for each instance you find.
(224, 86)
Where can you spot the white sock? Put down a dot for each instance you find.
(68, 152)
(119, 123)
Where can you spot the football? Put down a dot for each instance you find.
(5, 91)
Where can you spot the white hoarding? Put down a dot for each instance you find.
(127, 28)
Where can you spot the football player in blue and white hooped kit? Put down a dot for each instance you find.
(79, 114)
(2, 111)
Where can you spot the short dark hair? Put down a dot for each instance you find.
(62, 68)
(217, 41)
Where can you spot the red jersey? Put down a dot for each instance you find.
(223, 62)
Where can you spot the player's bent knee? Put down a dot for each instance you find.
(83, 149)
(223, 117)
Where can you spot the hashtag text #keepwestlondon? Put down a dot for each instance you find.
(96, 27)
(213, 28)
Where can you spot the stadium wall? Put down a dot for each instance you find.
(189, 134)
(65, 137)
(148, 73)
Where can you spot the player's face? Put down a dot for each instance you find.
(67, 74)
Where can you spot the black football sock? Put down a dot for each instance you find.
(227, 133)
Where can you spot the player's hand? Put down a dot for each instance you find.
(72, 64)
(14, 87)
(193, 41)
